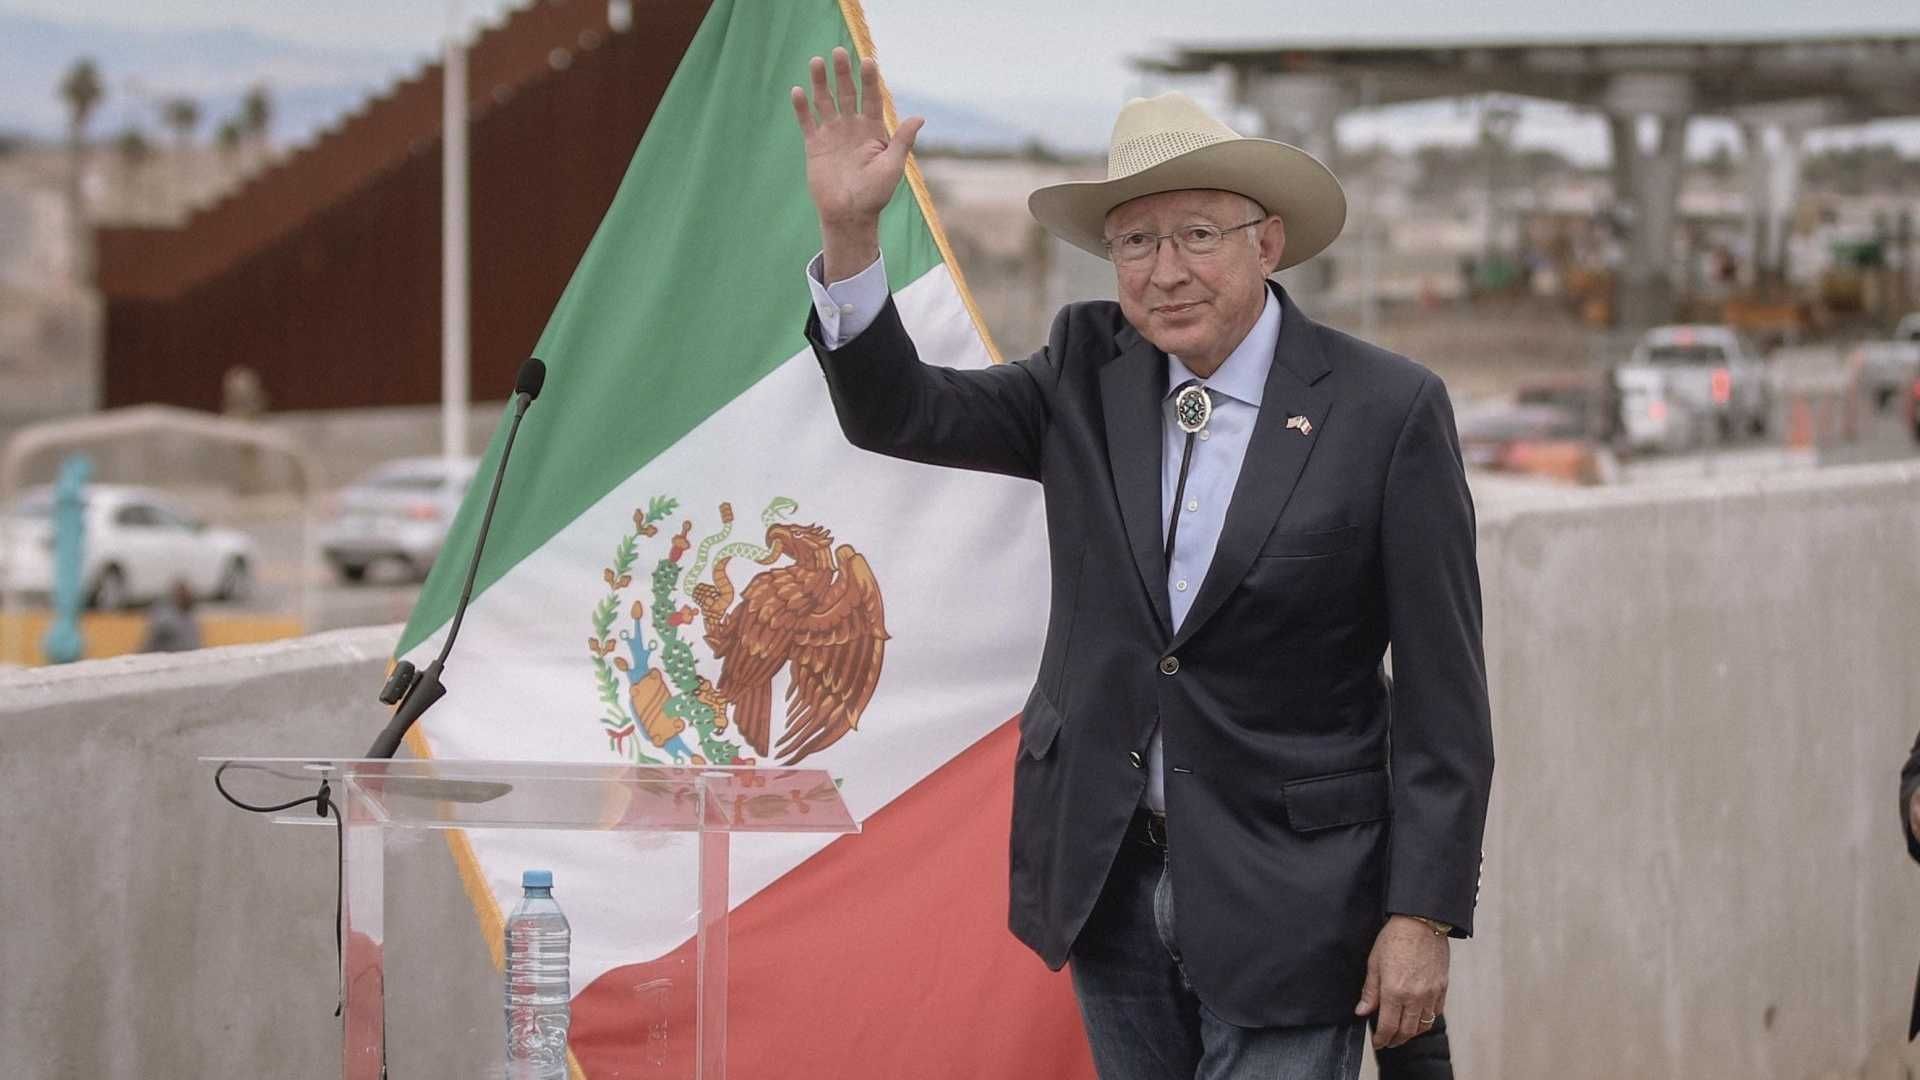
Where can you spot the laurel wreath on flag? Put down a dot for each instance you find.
(695, 703)
(618, 724)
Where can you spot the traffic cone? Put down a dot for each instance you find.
(1799, 423)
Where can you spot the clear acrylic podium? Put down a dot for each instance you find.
(377, 797)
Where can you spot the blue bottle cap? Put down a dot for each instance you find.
(536, 879)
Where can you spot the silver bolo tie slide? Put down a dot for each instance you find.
(1192, 408)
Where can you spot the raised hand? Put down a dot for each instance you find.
(853, 164)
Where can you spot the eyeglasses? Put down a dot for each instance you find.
(1131, 249)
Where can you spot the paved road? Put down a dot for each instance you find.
(1885, 436)
(386, 596)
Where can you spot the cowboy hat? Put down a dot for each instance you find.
(1169, 143)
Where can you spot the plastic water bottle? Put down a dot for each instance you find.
(538, 1009)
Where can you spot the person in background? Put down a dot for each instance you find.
(171, 625)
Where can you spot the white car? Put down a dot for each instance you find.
(1651, 417)
(1712, 372)
(138, 543)
(399, 512)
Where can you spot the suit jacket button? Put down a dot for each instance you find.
(1134, 756)
(1170, 665)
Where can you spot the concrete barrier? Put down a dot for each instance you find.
(148, 929)
(1703, 694)
(1702, 698)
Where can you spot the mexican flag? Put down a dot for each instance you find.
(681, 473)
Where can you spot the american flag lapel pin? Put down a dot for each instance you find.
(1301, 424)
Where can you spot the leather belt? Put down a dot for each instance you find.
(1148, 828)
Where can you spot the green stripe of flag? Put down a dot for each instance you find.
(691, 291)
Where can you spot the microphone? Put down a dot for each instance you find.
(421, 693)
(533, 376)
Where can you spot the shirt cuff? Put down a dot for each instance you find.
(850, 306)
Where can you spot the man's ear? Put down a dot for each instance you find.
(1273, 242)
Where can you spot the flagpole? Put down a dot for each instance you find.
(453, 239)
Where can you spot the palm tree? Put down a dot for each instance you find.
(182, 115)
(135, 151)
(228, 138)
(81, 90)
(133, 147)
(256, 119)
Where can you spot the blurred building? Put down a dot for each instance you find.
(319, 273)
(1648, 91)
(1018, 274)
(1490, 288)
(50, 315)
(49, 320)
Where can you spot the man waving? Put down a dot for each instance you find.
(1239, 832)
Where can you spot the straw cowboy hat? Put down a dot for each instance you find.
(1169, 143)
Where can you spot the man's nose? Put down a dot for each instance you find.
(1169, 264)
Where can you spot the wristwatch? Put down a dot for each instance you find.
(1439, 928)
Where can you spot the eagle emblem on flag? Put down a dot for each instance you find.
(815, 614)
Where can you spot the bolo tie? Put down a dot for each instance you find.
(1192, 408)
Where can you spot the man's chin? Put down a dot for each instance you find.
(1181, 341)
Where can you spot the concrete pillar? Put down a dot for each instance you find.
(1650, 256)
(1297, 109)
(1903, 236)
(1775, 138)
(1497, 122)
(1783, 196)
(1647, 185)
(1757, 169)
(1623, 141)
(1303, 110)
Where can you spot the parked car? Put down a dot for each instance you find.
(1590, 397)
(1550, 441)
(1887, 368)
(139, 543)
(1711, 370)
(399, 513)
(1652, 418)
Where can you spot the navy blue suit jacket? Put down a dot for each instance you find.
(1307, 796)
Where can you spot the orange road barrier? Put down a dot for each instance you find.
(1799, 423)
(118, 633)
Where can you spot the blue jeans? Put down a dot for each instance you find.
(1144, 1022)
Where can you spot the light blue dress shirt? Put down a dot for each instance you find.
(1218, 450)
(849, 306)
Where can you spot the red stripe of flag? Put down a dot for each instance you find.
(886, 955)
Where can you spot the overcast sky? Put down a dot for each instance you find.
(955, 44)
(1062, 74)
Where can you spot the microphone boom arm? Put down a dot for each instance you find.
(428, 689)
